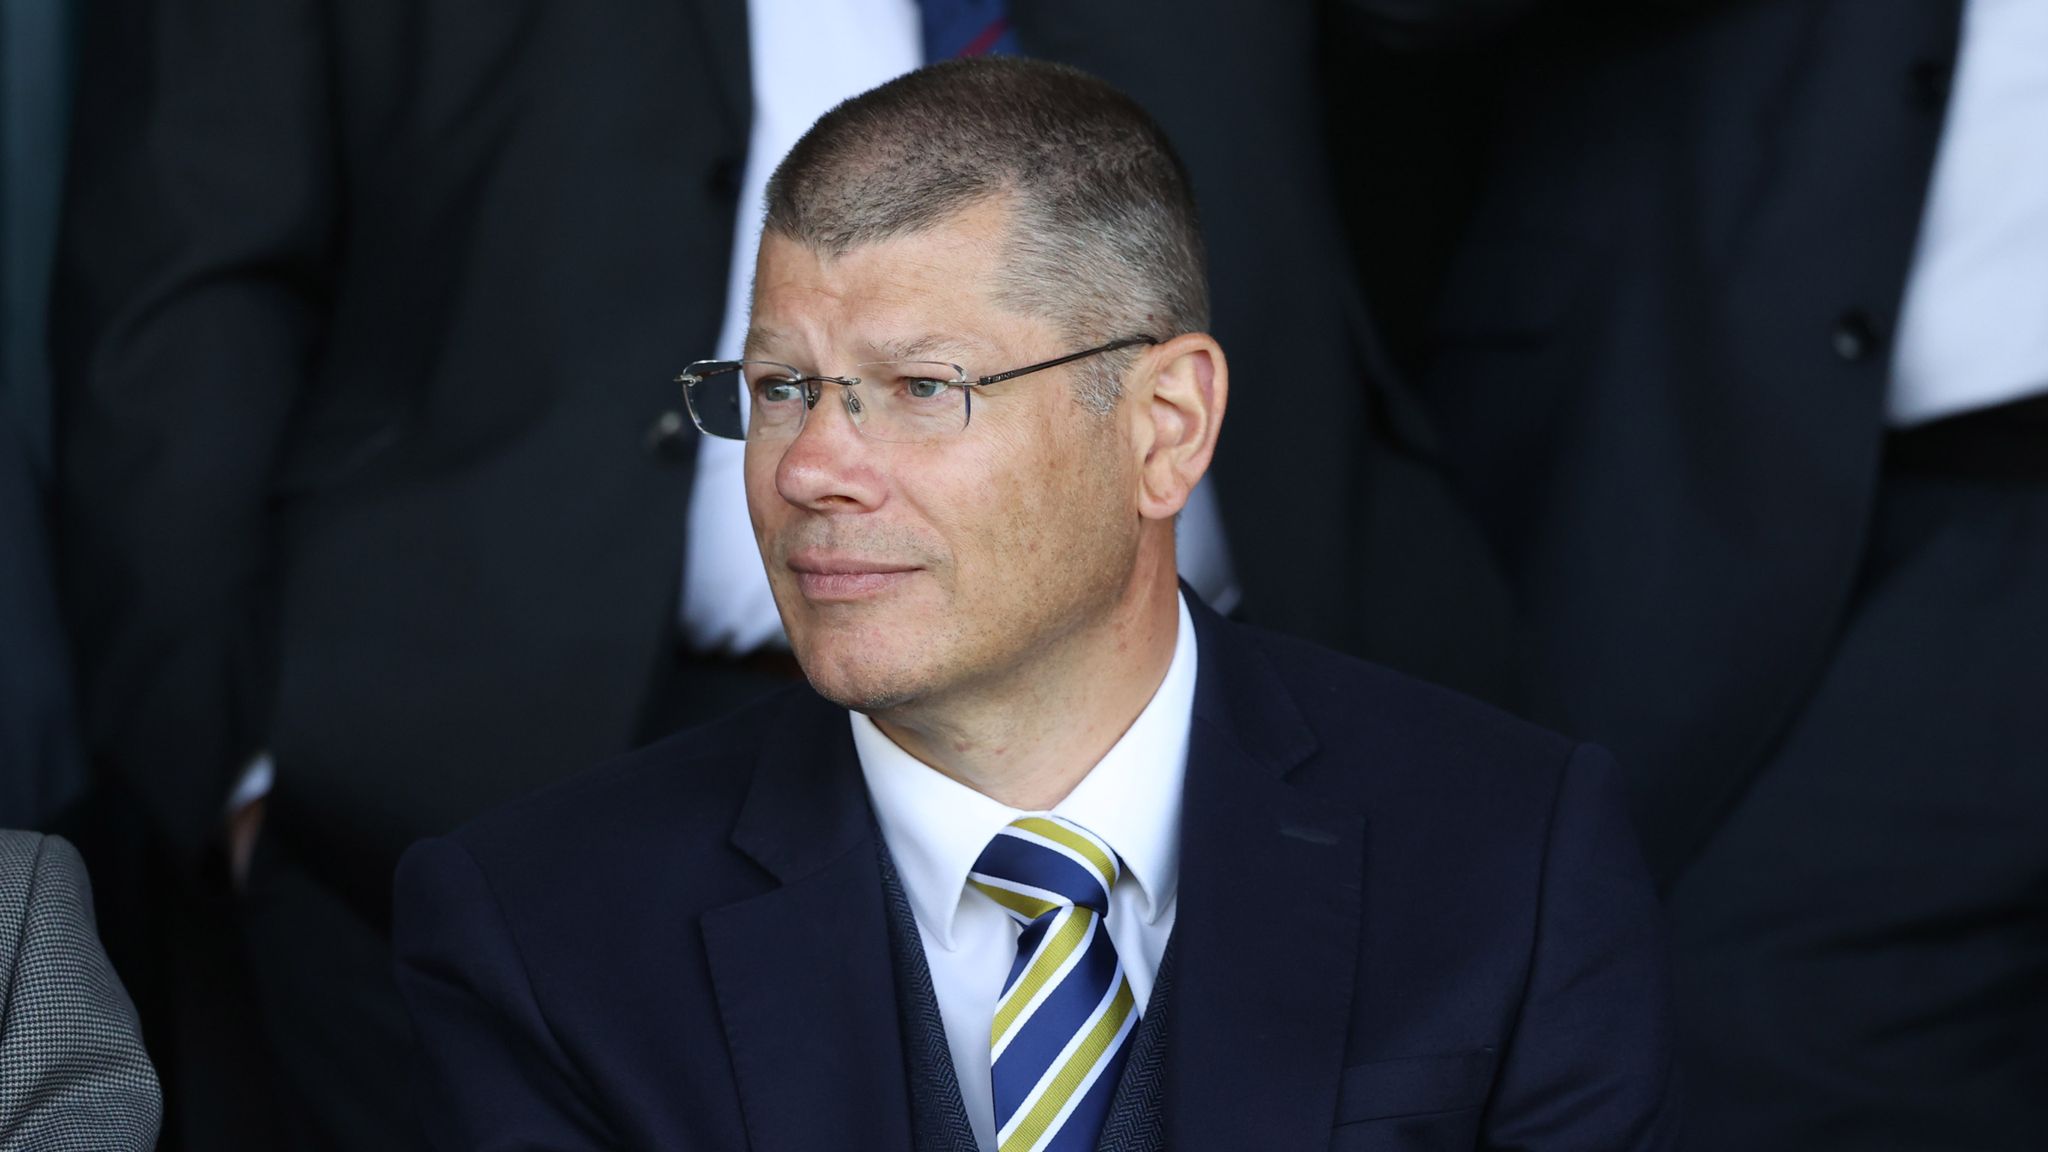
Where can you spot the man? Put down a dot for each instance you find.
(1743, 364)
(1047, 854)
(72, 1070)
(367, 317)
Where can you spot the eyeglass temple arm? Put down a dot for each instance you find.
(709, 368)
(1113, 346)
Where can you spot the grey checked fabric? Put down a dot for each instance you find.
(73, 1076)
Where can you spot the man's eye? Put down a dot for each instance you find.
(922, 389)
(779, 390)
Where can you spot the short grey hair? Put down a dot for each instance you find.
(1105, 242)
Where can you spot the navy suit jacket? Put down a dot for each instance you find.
(1406, 921)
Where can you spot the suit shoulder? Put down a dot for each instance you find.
(18, 850)
(1331, 686)
(34, 864)
(1388, 736)
(1453, 789)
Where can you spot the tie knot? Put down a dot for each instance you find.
(1040, 864)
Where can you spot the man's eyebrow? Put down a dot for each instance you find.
(758, 338)
(933, 344)
(924, 347)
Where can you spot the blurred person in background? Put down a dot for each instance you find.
(377, 504)
(1741, 363)
(41, 778)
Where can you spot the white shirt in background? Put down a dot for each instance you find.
(805, 57)
(1973, 330)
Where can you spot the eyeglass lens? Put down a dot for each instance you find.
(899, 401)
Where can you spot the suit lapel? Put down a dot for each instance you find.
(1266, 938)
(805, 984)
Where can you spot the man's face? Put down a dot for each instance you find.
(908, 572)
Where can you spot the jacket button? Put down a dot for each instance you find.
(1928, 81)
(668, 437)
(1855, 337)
(724, 181)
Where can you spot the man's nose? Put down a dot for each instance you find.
(829, 463)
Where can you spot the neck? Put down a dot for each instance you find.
(1029, 740)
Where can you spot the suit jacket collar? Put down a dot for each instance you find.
(1266, 939)
(1267, 933)
(807, 806)
(805, 985)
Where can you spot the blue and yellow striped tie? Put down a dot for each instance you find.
(1063, 1025)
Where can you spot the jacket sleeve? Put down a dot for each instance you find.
(1590, 1063)
(492, 1076)
(193, 273)
(72, 1068)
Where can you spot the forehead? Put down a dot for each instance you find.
(894, 295)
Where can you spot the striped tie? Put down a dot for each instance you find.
(1063, 1025)
(966, 28)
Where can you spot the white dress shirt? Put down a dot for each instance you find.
(805, 57)
(936, 828)
(1973, 330)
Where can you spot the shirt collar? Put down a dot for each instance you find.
(936, 827)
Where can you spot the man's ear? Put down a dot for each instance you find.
(1178, 421)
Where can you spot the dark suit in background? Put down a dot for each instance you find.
(1658, 375)
(366, 320)
(1405, 922)
(40, 771)
(1284, 296)
(364, 317)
